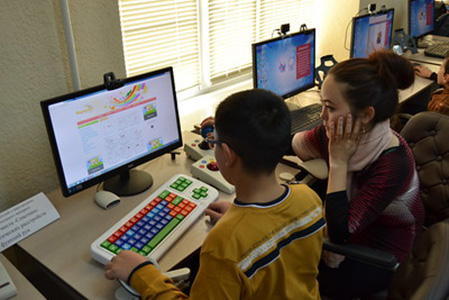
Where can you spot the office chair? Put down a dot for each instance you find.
(427, 134)
(423, 274)
(327, 62)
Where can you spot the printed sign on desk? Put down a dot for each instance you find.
(24, 219)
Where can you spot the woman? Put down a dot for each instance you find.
(372, 195)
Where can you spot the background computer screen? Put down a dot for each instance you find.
(421, 17)
(285, 65)
(97, 133)
(371, 32)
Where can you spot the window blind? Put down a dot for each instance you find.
(295, 12)
(160, 33)
(236, 24)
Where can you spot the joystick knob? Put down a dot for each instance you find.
(203, 145)
(212, 166)
(205, 130)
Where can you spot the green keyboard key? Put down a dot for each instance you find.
(163, 233)
(164, 194)
(177, 200)
(113, 248)
(146, 249)
(105, 244)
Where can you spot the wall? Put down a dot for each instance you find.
(400, 11)
(35, 67)
(334, 17)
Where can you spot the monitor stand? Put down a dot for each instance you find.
(129, 182)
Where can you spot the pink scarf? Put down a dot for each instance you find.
(370, 147)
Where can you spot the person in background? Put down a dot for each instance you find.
(268, 243)
(439, 101)
(372, 195)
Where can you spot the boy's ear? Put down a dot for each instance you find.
(229, 155)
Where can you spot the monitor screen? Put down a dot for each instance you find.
(421, 17)
(371, 32)
(285, 65)
(99, 134)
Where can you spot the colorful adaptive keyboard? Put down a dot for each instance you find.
(155, 224)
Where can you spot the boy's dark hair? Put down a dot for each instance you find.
(256, 125)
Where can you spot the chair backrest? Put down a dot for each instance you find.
(423, 274)
(427, 134)
(327, 62)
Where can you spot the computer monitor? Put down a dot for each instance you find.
(285, 65)
(371, 32)
(99, 135)
(421, 17)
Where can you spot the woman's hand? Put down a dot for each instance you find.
(216, 210)
(343, 139)
(331, 259)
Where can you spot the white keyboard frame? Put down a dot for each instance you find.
(103, 256)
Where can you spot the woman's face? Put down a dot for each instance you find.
(334, 103)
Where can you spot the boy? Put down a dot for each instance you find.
(268, 243)
(439, 101)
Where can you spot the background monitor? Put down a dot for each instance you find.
(421, 17)
(285, 65)
(99, 134)
(371, 32)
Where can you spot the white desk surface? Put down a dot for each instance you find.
(64, 246)
(25, 290)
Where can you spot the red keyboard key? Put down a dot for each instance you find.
(112, 239)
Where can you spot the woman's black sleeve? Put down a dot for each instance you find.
(337, 216)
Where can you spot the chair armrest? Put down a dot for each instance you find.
(361, 253)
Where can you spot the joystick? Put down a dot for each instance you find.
(197, 148)
(206, 170)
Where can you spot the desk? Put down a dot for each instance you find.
(25, 290)
(313, 95)
(64, 246)
(430, 61)
(422, 58)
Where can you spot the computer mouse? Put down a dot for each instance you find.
(106, 199)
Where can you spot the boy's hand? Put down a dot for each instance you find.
(209, 121)
(422, 71)
(122, 264)
(216, 210)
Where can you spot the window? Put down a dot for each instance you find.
(161, 33)
(206, 42)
